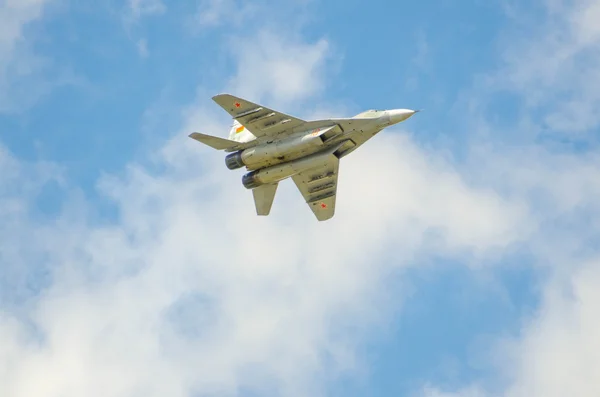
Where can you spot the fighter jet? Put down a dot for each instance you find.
(274, 146)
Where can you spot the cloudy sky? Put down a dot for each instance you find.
(463, 260)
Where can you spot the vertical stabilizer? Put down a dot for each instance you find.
(263, 198)
(239, 133)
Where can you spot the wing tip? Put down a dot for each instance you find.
(221, 95)
(323, 215)
(323, 219)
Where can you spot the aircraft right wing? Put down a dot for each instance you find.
(318, 186)
(259, 120)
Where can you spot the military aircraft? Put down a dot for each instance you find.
(275, 146)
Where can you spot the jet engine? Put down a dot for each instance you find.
(279, 172)
(234, 161)
(281, 151)
(249, 180)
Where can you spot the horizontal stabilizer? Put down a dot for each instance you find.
(213, 141)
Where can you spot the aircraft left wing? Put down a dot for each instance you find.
(318, 186)
(259, 120)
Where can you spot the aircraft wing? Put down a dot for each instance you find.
(259, 120)
(318, 186)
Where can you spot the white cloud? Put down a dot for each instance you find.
(19, 67)
(142, 46)
(236, 14)
(556, 73)
(556, 65)
(213, 12)
(14, 15)
(136, 11)
(178, 292)
(278, 68)
(558, 354)
(146, 7)
(175, 298)
(470, 392)
(189, 292)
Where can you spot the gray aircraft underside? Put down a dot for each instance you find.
(274, 146)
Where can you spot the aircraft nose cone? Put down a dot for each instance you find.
(398, 115)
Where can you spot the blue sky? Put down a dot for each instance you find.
(462, 261)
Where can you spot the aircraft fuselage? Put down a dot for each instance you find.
(276, 159)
